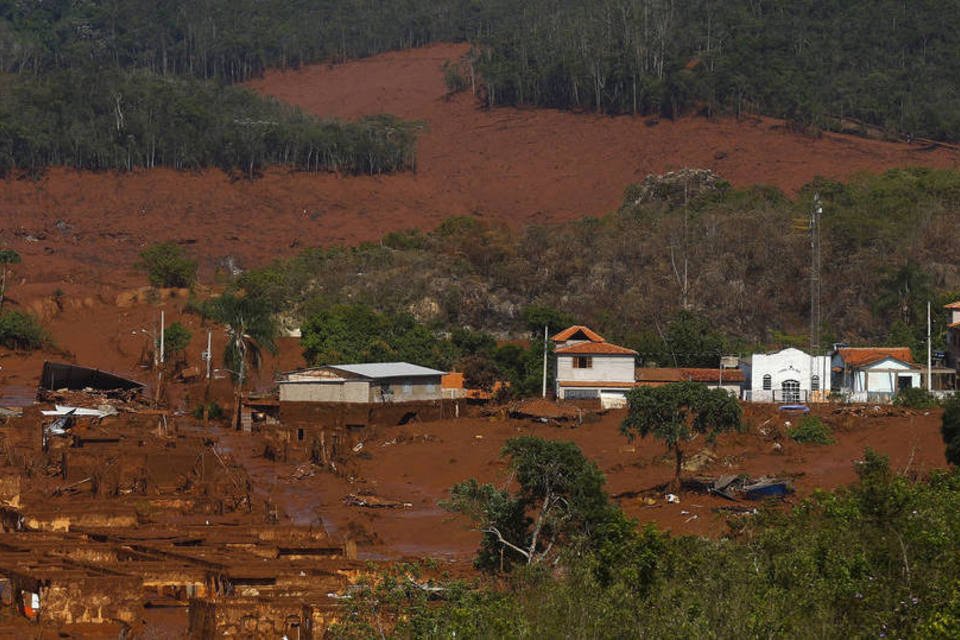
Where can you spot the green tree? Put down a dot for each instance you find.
(950, 430)
(166, 265)
(560, 503)
(357, 333)
(176, 339)
(250, 327)
(677, 413)
(7, 258)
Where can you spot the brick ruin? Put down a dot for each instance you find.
(127, 523)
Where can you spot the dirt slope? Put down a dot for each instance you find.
(519, 166)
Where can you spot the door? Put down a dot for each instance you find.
(791, 391)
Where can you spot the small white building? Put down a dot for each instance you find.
(874, 374)
(590, 367)
(789, 376)
(362, 383)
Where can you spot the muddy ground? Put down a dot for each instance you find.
(418, 463)
(81, 232)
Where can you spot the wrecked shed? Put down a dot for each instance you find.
(56, 376)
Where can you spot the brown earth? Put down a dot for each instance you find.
(81, 231)
(418, 463)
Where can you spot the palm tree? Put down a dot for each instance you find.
(250, 328)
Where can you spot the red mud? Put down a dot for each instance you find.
(419, 463)
(517, 166)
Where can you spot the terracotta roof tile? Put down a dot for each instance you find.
(862, 356)
(595, 348)
(952, 305)
(569, 332)
(604, 385)
(668, 374)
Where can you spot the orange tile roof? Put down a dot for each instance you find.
(452, 380)
(953, 325)
(952, 305)
(604, 385)
(862, 356)
(668, 374)
(595, 348)
(569, 332)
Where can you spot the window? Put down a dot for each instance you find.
(582, 362)
(767, 382)
(815, 382)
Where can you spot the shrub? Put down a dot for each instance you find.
(214, 411)
(176, 339)
(950, 430)
(22, 331)
(453, 77)
(811, 430)
(167, 266)
(915, 398)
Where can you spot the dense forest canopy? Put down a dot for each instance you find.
(127, 119)
(887, 63)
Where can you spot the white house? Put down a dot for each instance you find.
(362, 383)
(788, 376)
(590, 367)
(874, 374)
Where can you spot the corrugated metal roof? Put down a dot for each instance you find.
(386, 370)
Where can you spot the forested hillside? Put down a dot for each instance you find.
(884, 62)
(688, 255)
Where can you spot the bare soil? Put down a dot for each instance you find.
(418, 463)
(79, 231)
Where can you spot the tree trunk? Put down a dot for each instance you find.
(678, 456)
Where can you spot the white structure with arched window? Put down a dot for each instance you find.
(789, 376)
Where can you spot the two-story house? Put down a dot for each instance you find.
(590, 367)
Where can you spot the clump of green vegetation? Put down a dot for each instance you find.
(811, 430)
(835, 566)
(915, 398)
(167, 265)
(23, 331)
(453, 77)
(214, 411)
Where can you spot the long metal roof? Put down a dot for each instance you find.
(386, 370)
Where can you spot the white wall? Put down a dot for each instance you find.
(882, 377)
(788, 364)
(606, 368)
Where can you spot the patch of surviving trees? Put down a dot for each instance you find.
(122, 84)
(876, 559)
(681, 275)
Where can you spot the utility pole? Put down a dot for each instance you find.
(544, 361)
(815, 275)
(208, 357)
(929, 352)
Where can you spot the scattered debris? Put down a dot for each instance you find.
(374, 502)
(734, 488)
(305, 470)
(672, 498)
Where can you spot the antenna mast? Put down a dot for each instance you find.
(815, 214)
